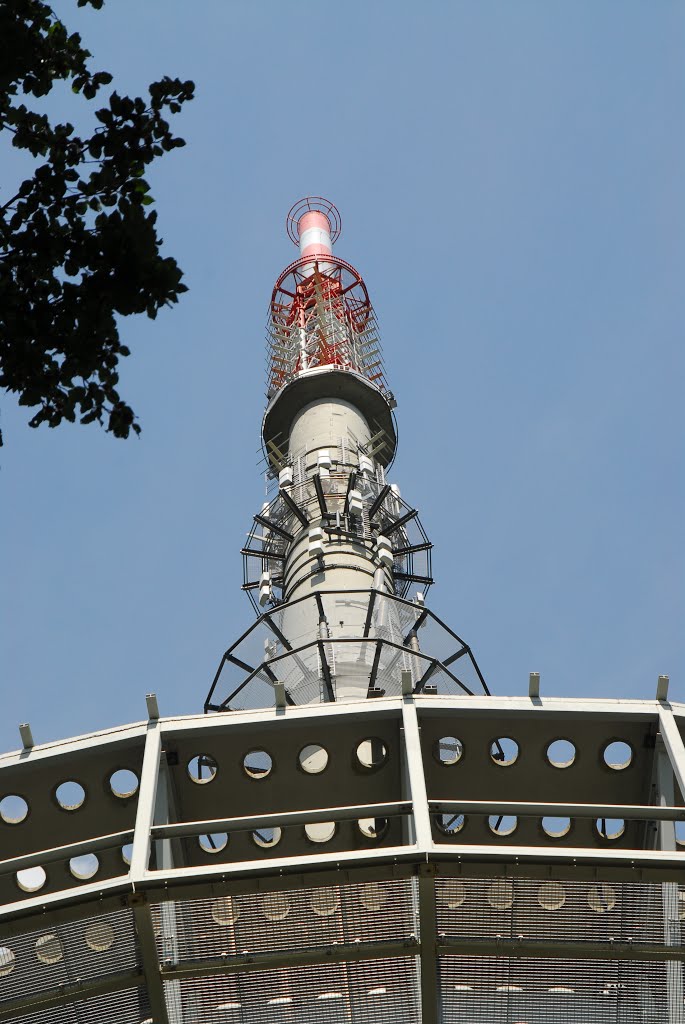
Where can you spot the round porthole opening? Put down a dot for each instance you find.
(13, 809)
(213, 842)
(225, 911)
(450, 823)
(275, 906)
(257, 764)
(561, 753)
(325, 902)
(618, 755)
(504, 751)
(502, 824)
(501, 894)
(31, 879)
(49, 949)
(84, 867)
(123, 783)
(448, 750)
(372, 753)
(267, 837)
(99, 936)
(610, 829)
(373, 828)
(70, 795)
(601, 898)
(313, 759)
(7, 961)
(320, 831)
(551, 896)
(554, 827)
(202, 769)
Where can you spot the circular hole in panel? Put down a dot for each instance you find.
(7, 961)
(49, 949)
(561, 753)
(325, 902)
(275, 906)
(551, 896)
(70, 795)
(373, 828)
(504, 751)
(454, 893)
(84, 867)
(202, 769)
(372, 896)
(451, 823)
(372, 752)
(555, 827)
(313, 758)
(99, 936)
(610, 828)
(617, 755)
(225, 910)
(31, 879)
(257, 764)
(330, 995)
(127, 853)
(320, 831)
(448, 750)
(214, 842)
(13, 809)
(680, 832)
(463, 988)
(380, 991)
(123, 783)
(267, 837)
(502, 824)
(501, 894)
(601, 898)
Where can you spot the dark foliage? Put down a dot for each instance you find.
(78, 242)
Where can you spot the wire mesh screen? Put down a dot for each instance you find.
(63, 954)
(289, 920)
(560, 911)
(129, 1006)
(383, 991)
(505, 990)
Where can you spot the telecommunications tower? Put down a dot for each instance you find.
(355, 831)
(337, 561)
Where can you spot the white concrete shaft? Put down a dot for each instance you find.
(348, 563)
(322, 423)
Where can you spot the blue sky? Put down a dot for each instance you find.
(510, 179)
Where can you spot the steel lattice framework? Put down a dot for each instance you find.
(371, 862)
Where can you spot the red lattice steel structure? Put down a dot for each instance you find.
(320, 312)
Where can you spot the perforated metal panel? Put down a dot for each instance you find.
(361, 911)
